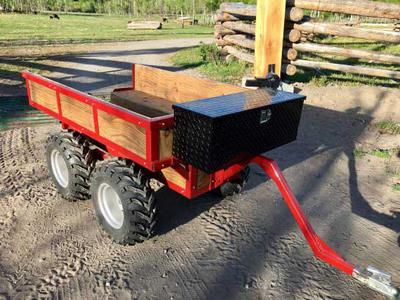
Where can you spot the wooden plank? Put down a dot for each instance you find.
(44, 96)
(165, 143)
(270, 22)
(171, 175)
(123, 133)
(144, 25)
(78, 112)
(203, 179)
(142, 103)
(179, 87)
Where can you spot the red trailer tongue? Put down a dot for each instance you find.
(372, 277)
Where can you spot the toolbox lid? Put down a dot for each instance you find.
(230, 104)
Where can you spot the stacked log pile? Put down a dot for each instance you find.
(235, 31)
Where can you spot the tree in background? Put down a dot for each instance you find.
(119, 7)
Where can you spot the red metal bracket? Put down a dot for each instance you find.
(319, 247)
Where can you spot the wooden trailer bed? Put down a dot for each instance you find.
(137, 121)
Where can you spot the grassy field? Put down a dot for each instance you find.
(232, 72)
(22, 29)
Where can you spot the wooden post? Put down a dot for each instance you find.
(270, 22)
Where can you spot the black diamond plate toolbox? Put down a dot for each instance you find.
(211, 134)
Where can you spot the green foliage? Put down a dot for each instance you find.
(381, 153)
(207, 60)
(359, 153)
(388, 127)
(396, 187)
(121, 7)
(210, 53)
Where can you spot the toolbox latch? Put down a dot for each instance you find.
(265, 116)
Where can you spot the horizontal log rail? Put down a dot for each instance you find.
(240, 40)
(347, 31)
(346, 68)
(292, 35)
(288, 69)
(241, 55)
(351, 7)
(293, 14)
(353, 53)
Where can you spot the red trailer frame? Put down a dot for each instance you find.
(372, 277)
(152, 126)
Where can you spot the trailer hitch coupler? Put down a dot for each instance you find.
(377, 280)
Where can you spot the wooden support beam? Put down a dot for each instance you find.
(347, 31)
(269, 36)
(354, 53)
(346, 68)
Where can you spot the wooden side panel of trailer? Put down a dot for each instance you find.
(43, 96)
(178, 87)
(123, 133)
(165, 143)
(79, 112)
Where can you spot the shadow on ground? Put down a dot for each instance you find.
(85, 72)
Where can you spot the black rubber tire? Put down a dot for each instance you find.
(74, 148)
(139, 205)
(236, 186)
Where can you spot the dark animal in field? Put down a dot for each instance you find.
(54, 16)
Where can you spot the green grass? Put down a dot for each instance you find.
(25, 29)
(381, 153)
(387, 126)
(359, 153)
(396, 187)
(212, 67)
(325, 77)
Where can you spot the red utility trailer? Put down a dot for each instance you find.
(110, 149)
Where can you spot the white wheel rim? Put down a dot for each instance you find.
(59, 167)
(110, 205)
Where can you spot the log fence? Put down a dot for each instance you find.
(235, 31)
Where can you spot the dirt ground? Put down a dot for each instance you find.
(242, 247)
